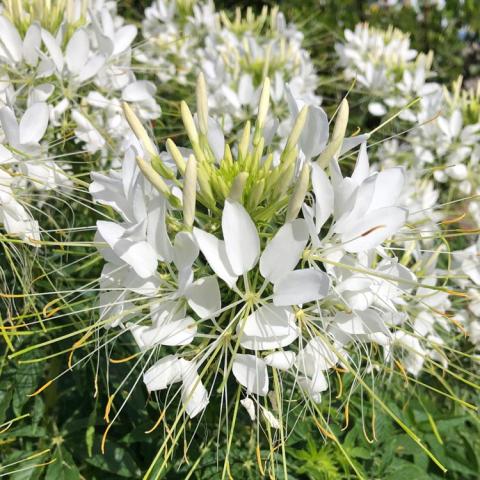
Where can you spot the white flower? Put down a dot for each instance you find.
(269, 326)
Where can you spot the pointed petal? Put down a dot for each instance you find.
(284, 251)
(388, 187)
(282, 360)
(324, 195)
(124, 37)
(139, 91)
(185, 250)
(314, 136)
(77, 51)
(267, 328)
(31, 44)
(373, 229)
(251, 372)
(91, 68)
(361, 323)
(171, 333)
(163, 373)
(362, 167)
(194, 393)
(317, 355)
(157, 234)
(9, 125)
(11, 39)
(242, 243)
(34, 123)
(215, 253)
(53, 49)
(203, 297)
(301, 286)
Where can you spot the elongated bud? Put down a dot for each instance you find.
(264, 104)
(176, 155)
(238, 185)
(256, 194)
(202, 104)
(204, 184)
(190, 192)
(139, 130)
(299, 192)
(342, 120)
(227, 156)
(297, 129)
(244, 141)
(153, 177)
(338, 135)
(188, 122)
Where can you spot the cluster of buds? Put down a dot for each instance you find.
(51, 15)
(246, 173)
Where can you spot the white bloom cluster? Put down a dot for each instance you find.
(172, 32)
(203, 270)
(64, 68)
(385, 66)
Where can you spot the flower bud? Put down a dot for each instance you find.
(139, 130)
(299, 192)
(188, 122)
(190, 192)
(202, 104)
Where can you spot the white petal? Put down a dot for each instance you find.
(194, 394)
(351, 142)
(360, 323)
(185, 250)
(31, 44)
(314, 136)
(203, 297)
(139, 254)
(251, 372)
(242, 243)
(11, 39)
(138, 91)
(324, 196)
(91, 68)
(172, 333)
(388, 187)
(9, 125)
(245, 89)
(124, 36)
(216, 139)
(362, 167)
(157, 234)
(373, 229)
(284, 251)
(53, 49)
(215, 253)
(34, 123)
(301, 286)
(377, 109)
(282, 360)
(270, 418)
(77, 51)
(249, 406)
(267, 328)
(317, 355)
(163, 373)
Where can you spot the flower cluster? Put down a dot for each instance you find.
(385, 66)
(223, 261)
(64, 70)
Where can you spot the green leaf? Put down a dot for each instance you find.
(63, 468)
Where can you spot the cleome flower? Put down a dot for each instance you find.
(224, 266)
